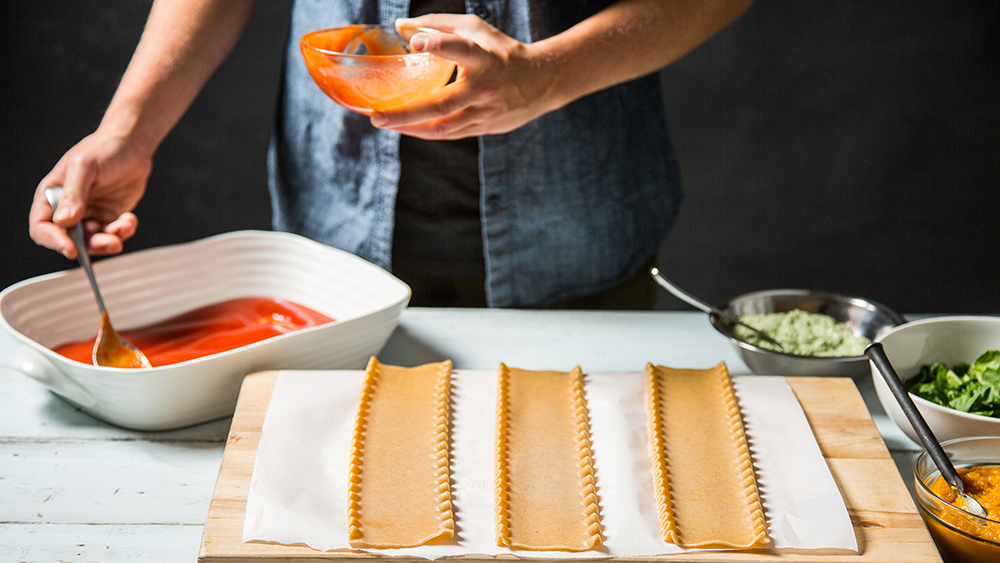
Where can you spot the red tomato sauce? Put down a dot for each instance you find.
(209, 330)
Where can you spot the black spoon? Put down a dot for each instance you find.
(876, 354)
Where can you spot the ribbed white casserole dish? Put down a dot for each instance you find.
(152, 285)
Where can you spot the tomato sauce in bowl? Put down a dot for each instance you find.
(216, 328)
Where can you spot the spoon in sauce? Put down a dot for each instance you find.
(110, 349)
(877, 355)
(698, 303)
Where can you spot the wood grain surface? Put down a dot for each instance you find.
(886, 522)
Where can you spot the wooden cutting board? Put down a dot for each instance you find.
(885, 519)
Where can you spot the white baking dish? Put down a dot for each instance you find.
(152, 285)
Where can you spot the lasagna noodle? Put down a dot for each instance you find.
(703, 477)
(545, 491)
(400, 483)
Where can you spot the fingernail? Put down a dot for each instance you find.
(60, 214)
(418, 42)
(378, 119)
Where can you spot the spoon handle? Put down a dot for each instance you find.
(699, 304)
(687, 297)
(54, 196)
(877, 355)
(81, 252)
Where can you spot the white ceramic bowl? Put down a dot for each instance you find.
(152, 285)
(951, 341)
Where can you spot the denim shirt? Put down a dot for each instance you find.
(572, 203)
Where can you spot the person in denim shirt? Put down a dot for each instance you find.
(578, 185)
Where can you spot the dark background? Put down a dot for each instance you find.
(848, 146)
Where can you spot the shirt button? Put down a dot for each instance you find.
(481, 10)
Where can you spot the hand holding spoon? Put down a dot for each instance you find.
(877, 355)
(698, 303)
(110, 349)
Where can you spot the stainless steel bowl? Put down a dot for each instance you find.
(863, 317)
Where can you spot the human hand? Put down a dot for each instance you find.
(103, 178)
(499, 86)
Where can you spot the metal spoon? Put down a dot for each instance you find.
(110, 349)
(698, 303)
(877, 355)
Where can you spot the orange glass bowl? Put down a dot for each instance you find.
(388, 76)
(961, 537)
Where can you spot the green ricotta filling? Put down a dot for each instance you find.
(803, 334)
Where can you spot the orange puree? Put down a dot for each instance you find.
(210, 330)
(981, 482)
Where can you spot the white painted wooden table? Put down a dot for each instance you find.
(73, 488)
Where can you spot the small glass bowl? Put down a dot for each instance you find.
(381, 73)
(958, 534)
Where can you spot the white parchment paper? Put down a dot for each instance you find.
(298, 490)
